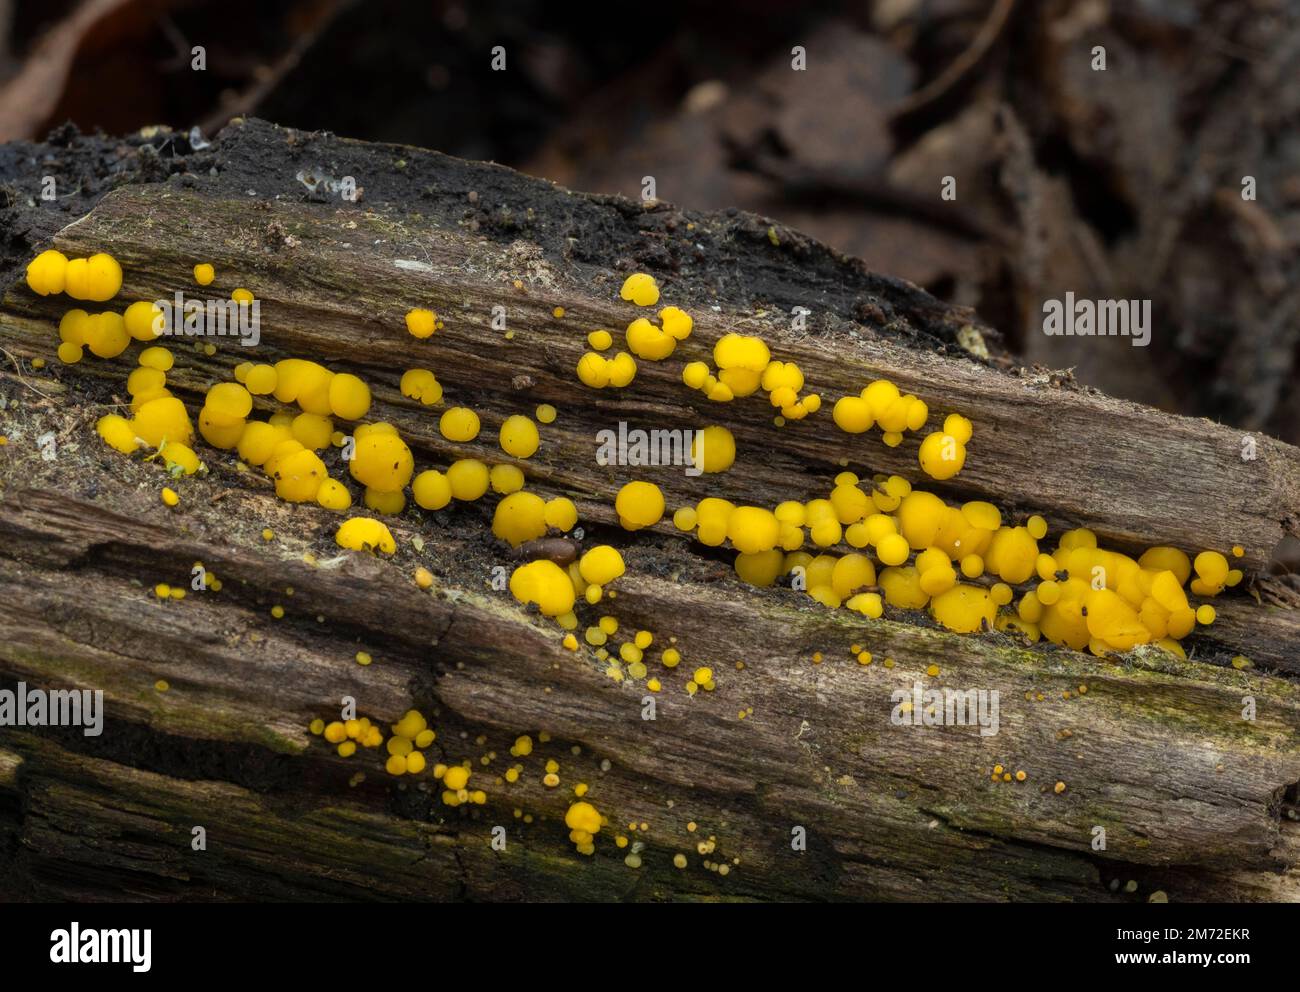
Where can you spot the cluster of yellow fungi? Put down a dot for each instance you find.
(868, 545)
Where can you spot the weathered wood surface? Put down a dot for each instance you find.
(1193, 799)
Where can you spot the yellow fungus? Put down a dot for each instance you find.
(169, 497)
(333, 495)
(204, 274)
(639, 504)
(431, 490)
(143, 320)
(543, 582)
(519, 436)
(381, 460)
(47, 273)
(520, 517)
(941, 455)
(349, 397)
(600, 340)
(641, 289)
(561, 513)
(459, 424)
(713, 449)
(363, 534)
(601, 565)
(421, 323)
(593, 370)
(468, 479)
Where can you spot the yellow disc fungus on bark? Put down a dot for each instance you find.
(365, 534)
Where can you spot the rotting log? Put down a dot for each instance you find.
(1194, 800)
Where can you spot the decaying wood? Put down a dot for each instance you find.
(1193, 798)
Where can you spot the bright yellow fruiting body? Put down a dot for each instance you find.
(349, 397)
(381, 460)
(312, 431)
(601, 565)
(519, 436)
(163, 418)
(365, 534)
(468, 478)
(639, 504)
(431, 489)
(543, 582)
(713, 449)
(641, 289)
(593, 370)
(459, 424)
(180, 458)
(333, 495)
(47, 273)
(117, 432)
(506, 479)
(648, 341)
(143, 320)
(520, 517)
(561, 513)
(941, 455)
(298, 476)
(421, 323)
(422, 385)
(106, 335)
(204, 274)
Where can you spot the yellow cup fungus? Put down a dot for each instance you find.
(719, 449)
(639, 504)
(47, 272)
(333, 495)
(204, 273)
(1079, 595)
(431, 489)
(543, 582)
(162, 419)
(97, 278)
(381, 460)
(365, 534)
(506, 479)
(105, 334)
(649, 341)
(459, 423)
(597, 371)
(520, 517)
(468, 478)
(118, 433)
(640, 288)
(143, 320)
(349, 397)
(179, 458)
(421, 384)
(519, 436)
(601, 565)
(561, 514)
(421, 323)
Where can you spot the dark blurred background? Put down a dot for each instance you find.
(1117, 184)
